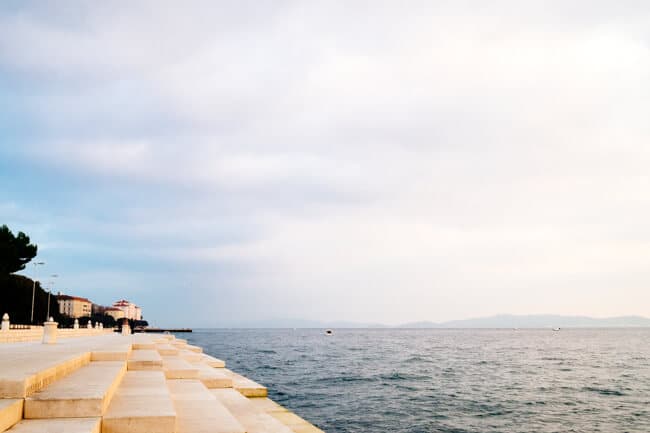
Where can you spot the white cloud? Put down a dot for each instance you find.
(371, 161)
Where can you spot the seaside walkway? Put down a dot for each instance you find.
(142, 383)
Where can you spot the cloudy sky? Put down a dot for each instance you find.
(371, 161)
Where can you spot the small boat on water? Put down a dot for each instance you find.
(556, 329)
(328, 332)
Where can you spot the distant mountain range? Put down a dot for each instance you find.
(498, 321)
(537, 321)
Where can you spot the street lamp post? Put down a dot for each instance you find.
(31, 318)
(49, 292)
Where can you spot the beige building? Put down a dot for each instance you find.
(114, 312)
(73, 306)
(131, 311)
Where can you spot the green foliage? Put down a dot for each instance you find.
(15, 251)
(68, 322)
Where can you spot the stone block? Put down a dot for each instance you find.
(198, 411)
(213, 362)
(253, 420)
(167, 349)
(144, 360)
(213, 377)
(84, 393)
(142, 404)
(11, 411)
(60, 425)
(244, 385)
(178, 368)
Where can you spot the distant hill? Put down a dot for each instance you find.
(498, 321)
(299, 323)
(537, 321)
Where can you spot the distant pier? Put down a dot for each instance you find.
(163, 330)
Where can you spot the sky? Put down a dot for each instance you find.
(372, 161)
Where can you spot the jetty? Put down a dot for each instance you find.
(93, 380)
(164, 330)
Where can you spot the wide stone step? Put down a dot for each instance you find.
(143, 342)
(167, 350)
(294, 422)
(114, 352)
(195, 349)
(190, 356)
(213, 377)
(253, 420)
(213, 362)
(290, 419)
(58, 425)
(11, 411)
(144, 360)
(21, 375)
(142, 404)
(84, 393)
(28, 367)
(244, 385)
(177, 368)
(198, 411)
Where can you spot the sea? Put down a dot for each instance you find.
(448, 380)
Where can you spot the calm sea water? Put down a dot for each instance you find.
(412, 381)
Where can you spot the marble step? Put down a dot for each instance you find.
(143, 342)
(167, 349)
(144, 360)
(213, 377)
(58, 425)
(244, 385)
(22, 374)
(191, 357)
(195, 349)
(84, 393)
(177, 368)
(253, 420)
(294, 422)
(212, 361)
(290, 419)
(11, 411)
(198, 411)
(181, 344)
(142, 404)
(144, 345)
(114, 352)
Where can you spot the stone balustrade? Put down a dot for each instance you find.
(36, 333)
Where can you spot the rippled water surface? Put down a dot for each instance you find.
(402, 381)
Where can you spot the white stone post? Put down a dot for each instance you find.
(126, 330)
(76, 324)
(5, 322)
(49, 331)
(101, 325)
(90, 324)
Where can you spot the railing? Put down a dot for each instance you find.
(17, 326)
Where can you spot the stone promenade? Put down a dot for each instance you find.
(98, 381)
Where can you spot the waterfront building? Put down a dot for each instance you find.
(131, 311)
(74, 306)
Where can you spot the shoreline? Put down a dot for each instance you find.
(136, 383)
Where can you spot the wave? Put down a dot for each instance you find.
(604, 391)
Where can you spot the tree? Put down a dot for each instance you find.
(15, 251)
